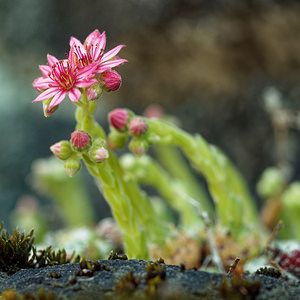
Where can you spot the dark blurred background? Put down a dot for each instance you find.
(205, 62)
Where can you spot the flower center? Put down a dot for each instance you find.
(63, 74)
(90, 54)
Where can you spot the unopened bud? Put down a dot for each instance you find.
(111, 80)
(118, 118)
(72, 166)
(62, 149)
(94, 92)
(80, 140)
(48, 111)
(137, 126)
(116, 139)
(138, 146)
(98, 154)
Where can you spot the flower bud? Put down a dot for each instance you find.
(138, 146)
(94, 92)
(111, 80)
(116, 139)
(137, 126)
(98, 154)
(72, 166)
(80, 140)
(118, 118)
(48, 111)
(62, 150)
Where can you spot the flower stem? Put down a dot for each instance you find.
(130, 207)
(227, 187)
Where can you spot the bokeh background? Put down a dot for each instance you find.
(206, 62)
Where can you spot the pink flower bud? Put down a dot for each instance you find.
(80, 140)
(98, 154)
(111, 80)
(137, 126)
(94, 92)
(118, 118)
(62, 150)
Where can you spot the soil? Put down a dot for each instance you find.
(135, 279)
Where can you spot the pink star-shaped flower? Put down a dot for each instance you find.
(62, 78)
(92, 51)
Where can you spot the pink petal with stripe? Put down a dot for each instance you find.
(83, 83)
(74, 94)
(45, 69)
(52, 60)
(57, 99)
(49, 93)
(111, 53)
(76, 42)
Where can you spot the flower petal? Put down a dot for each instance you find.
(111, 53)
(92, 37)
(75, 42)
(57, 99)
(87, 71)
(110, 64)
(45, 69)
(74, 94)
(46, 94)
(102, 42)
(52, 60)
(83, 83)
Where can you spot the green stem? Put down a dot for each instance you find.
(183, 176)
(146, 171)
(130, 207)
(233, 202)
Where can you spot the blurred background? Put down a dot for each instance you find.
(208, 63)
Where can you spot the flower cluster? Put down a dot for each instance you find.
(123, 123)
(87, 67)
(81, 143)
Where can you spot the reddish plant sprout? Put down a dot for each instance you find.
(118, 118)
(291, 262)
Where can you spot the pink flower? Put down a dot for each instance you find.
(93, 52)
(111, 80)
(62, 78)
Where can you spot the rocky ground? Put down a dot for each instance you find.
(138, 279)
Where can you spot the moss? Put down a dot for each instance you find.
(271, 272)
(114, 255)
(238, 288)
(11, 294)
(155, 276)
(17, 252)
(127, 284)
(89, 268)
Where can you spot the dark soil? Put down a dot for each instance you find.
(135, 279)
